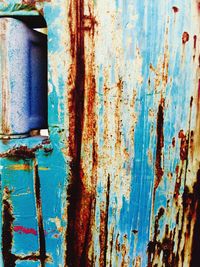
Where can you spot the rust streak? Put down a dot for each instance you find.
(76, 106)
(162, 248)
(189, 217)
(160, 144)
(137, 261)
(104, 227)
(198, 6)
(183, 145)
(117, 244)
(178, 182)
(80, 198)
(21, 152)
(124, 253)
(173, 142)
(195, 41)
(186, 232)
(155, 244)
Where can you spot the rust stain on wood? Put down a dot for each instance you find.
(173, 142)
(183, 145)
(81, 198)
(185, 206)
(21, 152)
(153, 245)
(103, 238)
(185, 37)
(175, 9)
(179, 172)
(195, 41)
(24, 152)
(160, 144)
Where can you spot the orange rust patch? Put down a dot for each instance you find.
(198, 6)
(117, 244)
(137, 261)
(195, 41)
(175, 9)
(20, 167)
(173, 142)
(185, 37)
(183, 145)
(21, 152)
(178, 182)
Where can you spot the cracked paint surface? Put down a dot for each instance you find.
(117, 182)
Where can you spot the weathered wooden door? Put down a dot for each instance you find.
(117, 182)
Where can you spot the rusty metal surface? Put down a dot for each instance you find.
(117, 183)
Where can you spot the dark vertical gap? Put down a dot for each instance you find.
(83, 259)
(42, 245)
(75, 187)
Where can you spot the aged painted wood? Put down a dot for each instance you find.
(117, 181)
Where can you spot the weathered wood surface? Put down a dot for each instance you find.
(118, 182)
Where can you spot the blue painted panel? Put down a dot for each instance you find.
(116, 182)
